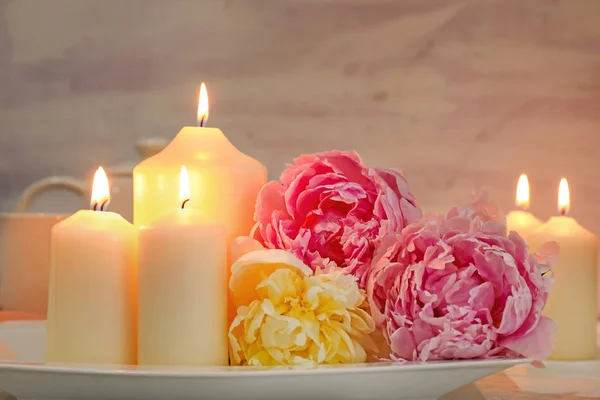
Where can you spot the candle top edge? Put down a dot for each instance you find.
(94, 220)
(564, 226)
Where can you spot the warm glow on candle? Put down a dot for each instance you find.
(564, 197)
(100, 191)
(522, 199)
(184, 186)
(203, 106)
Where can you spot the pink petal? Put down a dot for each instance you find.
(548, 253)
(269, 199)
(482, 297)
(402, 344)
(538, 344)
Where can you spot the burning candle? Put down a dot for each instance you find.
(92, 294)
(224, 182)
(182, 287)
(520, 220)
(572, 300)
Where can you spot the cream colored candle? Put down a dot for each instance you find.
(92, 294)
(572, 300)
(521, 221)
(182, 288)
(224, 182)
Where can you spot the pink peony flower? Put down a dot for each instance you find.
(331, 211)
(457, 287)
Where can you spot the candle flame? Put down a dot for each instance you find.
(522, 199)
(100, 190)
(184, 186)
(564, 197)
(203, 106)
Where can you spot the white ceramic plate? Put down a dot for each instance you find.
(27, 379)
(365, 381)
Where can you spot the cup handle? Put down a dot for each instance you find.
(52, 182)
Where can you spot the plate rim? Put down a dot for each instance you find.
(252, 372)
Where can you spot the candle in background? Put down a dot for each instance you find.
(521, 221)
(92, 295)
(182, 288)
(572, 300)
(224, 182)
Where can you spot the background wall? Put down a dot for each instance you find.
(459, 94)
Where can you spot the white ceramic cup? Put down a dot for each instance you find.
(25, 249)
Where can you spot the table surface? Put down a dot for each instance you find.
(558, 380)
(563, 381)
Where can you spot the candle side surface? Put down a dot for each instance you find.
(572, 300)
(522, 222)
(182, 291)
(93, 290)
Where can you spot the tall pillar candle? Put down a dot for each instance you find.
(520, 220)
(572, 300)
(92, 294)
(182, 289)
(224, 182)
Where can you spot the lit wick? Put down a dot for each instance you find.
(202, 121)
(100, 191)
(104, 204)
(564, 197)
(203, 106)
(184, 187)
(522, 198)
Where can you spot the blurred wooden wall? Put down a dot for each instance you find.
(459, 94)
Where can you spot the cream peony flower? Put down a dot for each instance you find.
(302, 319)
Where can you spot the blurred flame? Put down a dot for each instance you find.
(564, 197)
(522, 199)
(184, 185)
(203, 106)
(100, 190)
